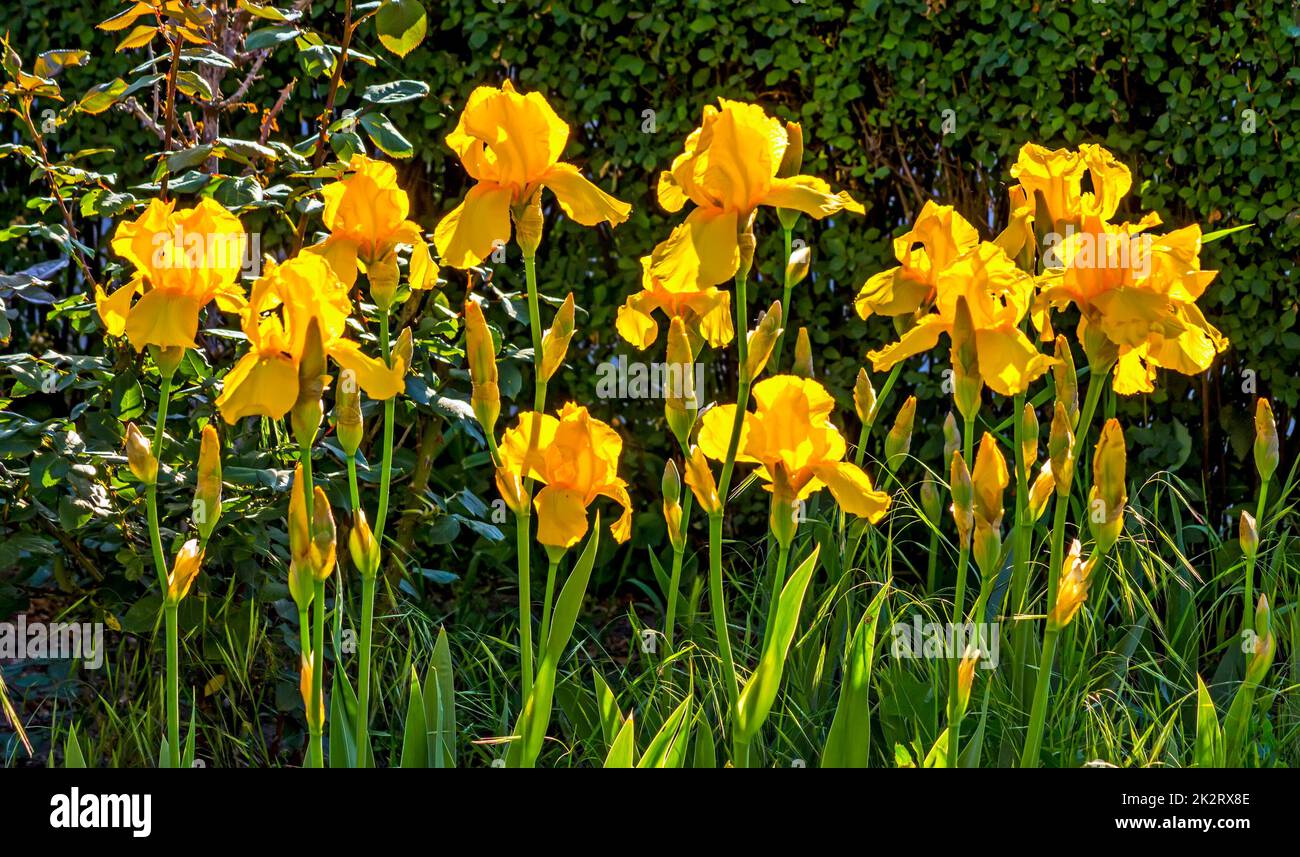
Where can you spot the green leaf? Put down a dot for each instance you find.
(187, 158)
(611, 718)
(72, 756)
(1208, 752)
(536, 716)
(395, 92)
(187, 755)
(440, 705)
(668, 748)
(938, 755)
(760, 691)
(267, 37)
(1223, 233)
(99, 98)
(706, 754)
(415, 743)
(848, 745)
(382, 133)
(401, 25)
(622, 751)
(342, 723)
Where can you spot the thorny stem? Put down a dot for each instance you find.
(48, 170)
(318, 159)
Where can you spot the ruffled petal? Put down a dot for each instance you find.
(635, 323)
(923, 336)
(258, 386)
(892, 293)
(581, 199)
(701, 251)
(713, 317)
(231, 298)
(467, 235)
(715, 433)
(671, 195)
(853, 490)
(373, 375)
(561, 516)
(424, 271)
(508, 136)
(621, 528)
(1133, 374)
(341, 255)
(113, 309)
(163, 318)
(522, 446)
(1008, 361)
(810, 195)
(1129, 315)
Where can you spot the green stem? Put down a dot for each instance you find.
(390, 410)
(1020, 532)
(522, 525)
(774, 585)
(785, 304)
(318, 673)
(523, 522)
(742, 393)
(718, 608)
(173, 687)
(1096, 383)
(547, 599)
(304, 631)
(318, 631)
(151, 490)
(1038, 713)
(931, 568)
(675, 578)
(535, 327)
(354, 493)
(1248, 622)
(363, 679)
(958, 616)
(865, 433)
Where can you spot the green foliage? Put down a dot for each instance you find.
(900, 102)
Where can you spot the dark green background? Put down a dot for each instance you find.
(1164, 85)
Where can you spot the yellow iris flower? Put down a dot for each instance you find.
(366, 213)
(576, 457)
(510, 144)
(791, 428)
(1056, 176)
(950, 263)
(728, 169)
(1136, 292)
(706, 312)
(284, 300)
(1137, 296)
(183, 260)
